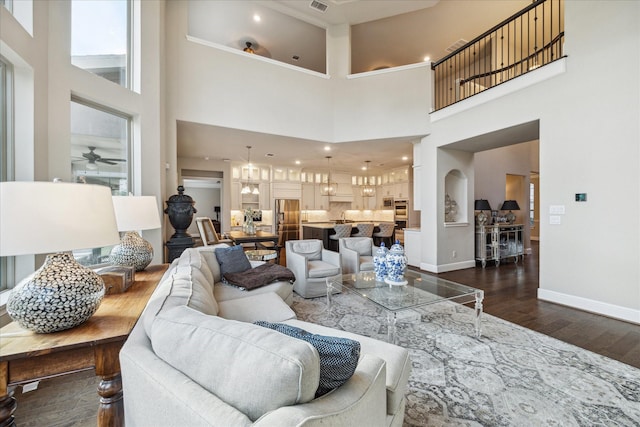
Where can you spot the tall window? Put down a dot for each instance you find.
(8, 4)
(101, 38)
(532, 204)
(100, 154)
(6, 154)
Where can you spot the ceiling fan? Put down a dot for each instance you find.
(94, 158)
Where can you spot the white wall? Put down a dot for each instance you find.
(55, 80)
(589, 137)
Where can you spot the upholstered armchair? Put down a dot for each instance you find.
(312, 265)
(356, 254)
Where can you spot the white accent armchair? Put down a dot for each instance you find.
(312, 265)
(356, 254)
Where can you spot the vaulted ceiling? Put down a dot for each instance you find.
(384, 33)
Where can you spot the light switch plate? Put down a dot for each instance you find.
(556, 209)
(555, 220)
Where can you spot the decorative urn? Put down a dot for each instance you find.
(180, 211)
(396, 263)
(379, 262)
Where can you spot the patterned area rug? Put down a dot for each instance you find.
(511, 376)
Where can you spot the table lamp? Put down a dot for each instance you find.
(510, 205)
(46, 217)
(134, 213)
(482, 205)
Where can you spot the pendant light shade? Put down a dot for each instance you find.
(329, 187)
(367, 189)
(249, 188)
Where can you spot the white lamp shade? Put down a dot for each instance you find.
(136, 212)
(46, 217)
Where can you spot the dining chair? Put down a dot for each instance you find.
(208, 232)
(365, 229)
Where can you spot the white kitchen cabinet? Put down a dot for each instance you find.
(308, 196)
(236, 187)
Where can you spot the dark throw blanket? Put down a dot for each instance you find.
(259, 276)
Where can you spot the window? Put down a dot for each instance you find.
(100, 154)
(8, 4)
(7, 276)
(101, 38)
(532, 198)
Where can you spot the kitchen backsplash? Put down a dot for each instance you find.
(349, 214)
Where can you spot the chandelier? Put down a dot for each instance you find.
(328, 188)
(247, 189)
(367, 189)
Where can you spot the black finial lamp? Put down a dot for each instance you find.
(482, 205)
(510, 205)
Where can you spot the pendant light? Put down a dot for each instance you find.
(328, 188)
(247, 187)
(368, 190)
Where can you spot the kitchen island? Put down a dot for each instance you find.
(322, 231)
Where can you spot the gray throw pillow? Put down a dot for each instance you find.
(232, 260)
(338, 356)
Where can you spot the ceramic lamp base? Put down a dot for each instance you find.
(132, 251)
(62, 294)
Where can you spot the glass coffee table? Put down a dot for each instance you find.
(421, 290)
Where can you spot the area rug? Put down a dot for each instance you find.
(511, 376)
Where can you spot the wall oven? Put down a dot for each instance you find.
(387, 202)
(401, 209)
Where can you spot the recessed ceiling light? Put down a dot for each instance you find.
(327, 148)
(427, 58)
(206, 157)
(298, 162)
(295, 57)
(257, 18)
(405, 158)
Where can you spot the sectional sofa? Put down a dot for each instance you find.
(195, 358)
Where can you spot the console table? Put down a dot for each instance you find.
(26, 356)
(496, 242)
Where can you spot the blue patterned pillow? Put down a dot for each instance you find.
(232, 260)
(338, 356)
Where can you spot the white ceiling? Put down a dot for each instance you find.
(403, 31)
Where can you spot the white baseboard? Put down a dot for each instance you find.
(605, 309)
(447, 267)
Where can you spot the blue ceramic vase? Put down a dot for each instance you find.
(379, 262)
(396, 263)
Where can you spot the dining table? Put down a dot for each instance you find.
(240, 237)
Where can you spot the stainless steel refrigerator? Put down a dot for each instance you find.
(287, 220)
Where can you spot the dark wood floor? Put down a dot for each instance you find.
(511, 294)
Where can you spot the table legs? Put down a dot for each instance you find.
(8, 406)
(478, 308)
(111, 409)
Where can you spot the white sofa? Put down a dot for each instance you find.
(195, 358)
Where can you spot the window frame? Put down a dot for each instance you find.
(128, 78)
(128, 149)
(7, 166)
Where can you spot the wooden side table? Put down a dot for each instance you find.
(26, 356)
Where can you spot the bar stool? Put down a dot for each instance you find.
(342, 230)
(364, 230)
(385, 234)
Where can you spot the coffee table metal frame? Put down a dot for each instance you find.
(421, 290)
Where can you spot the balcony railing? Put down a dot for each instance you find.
(527, 40)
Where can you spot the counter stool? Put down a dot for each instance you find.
(342, 230)
(364, 230)
(385, 234)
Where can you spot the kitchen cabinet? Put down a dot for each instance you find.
(308, 196)
(499, 241)
(286, 190)
(283, 174)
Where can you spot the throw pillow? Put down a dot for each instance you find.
(338, 356)
(232, 260)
